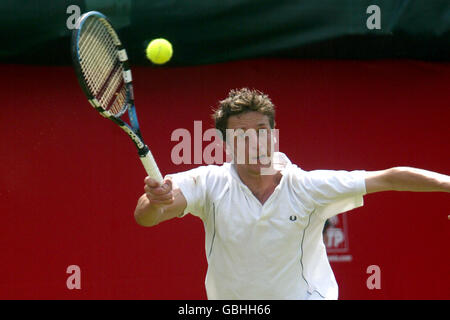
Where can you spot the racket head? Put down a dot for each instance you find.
(101, 65)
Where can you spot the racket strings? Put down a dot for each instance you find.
(112, 90)
(95, 54)
(97, 48)
(100, 65)
(91, 55)
(118, 104)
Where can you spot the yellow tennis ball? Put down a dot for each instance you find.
(159, 51)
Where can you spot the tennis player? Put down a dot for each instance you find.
(263, 229)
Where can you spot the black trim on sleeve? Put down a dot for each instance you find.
(214, 230)
(301, 257)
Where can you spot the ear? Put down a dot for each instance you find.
(274, 129)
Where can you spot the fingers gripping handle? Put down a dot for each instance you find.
(150, 166)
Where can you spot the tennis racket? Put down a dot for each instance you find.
(101, 65)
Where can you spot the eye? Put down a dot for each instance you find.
(239, 133)
(263, 131)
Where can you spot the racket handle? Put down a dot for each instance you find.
(151, 167)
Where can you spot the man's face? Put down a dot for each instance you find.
(249, 136)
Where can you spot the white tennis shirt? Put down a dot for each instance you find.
(275, 250)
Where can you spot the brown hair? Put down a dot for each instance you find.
(242, 101)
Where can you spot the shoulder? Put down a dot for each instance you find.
(203, 175)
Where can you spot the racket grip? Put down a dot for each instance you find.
(151, 167)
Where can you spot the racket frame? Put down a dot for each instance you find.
(133, 131)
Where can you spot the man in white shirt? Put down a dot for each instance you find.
(263, 216)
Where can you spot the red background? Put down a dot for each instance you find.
(69, 179)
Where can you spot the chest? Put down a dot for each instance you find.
(241, 218)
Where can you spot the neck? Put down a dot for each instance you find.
(262, 186)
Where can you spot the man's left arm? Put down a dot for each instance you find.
(406, 179)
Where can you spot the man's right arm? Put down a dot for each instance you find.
(159, 203)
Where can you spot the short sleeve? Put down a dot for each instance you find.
(333, 192)
(325, 186)
(192, 184)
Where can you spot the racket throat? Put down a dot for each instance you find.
(144, 151)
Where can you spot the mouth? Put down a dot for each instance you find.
(260, 157)
(262, 160)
